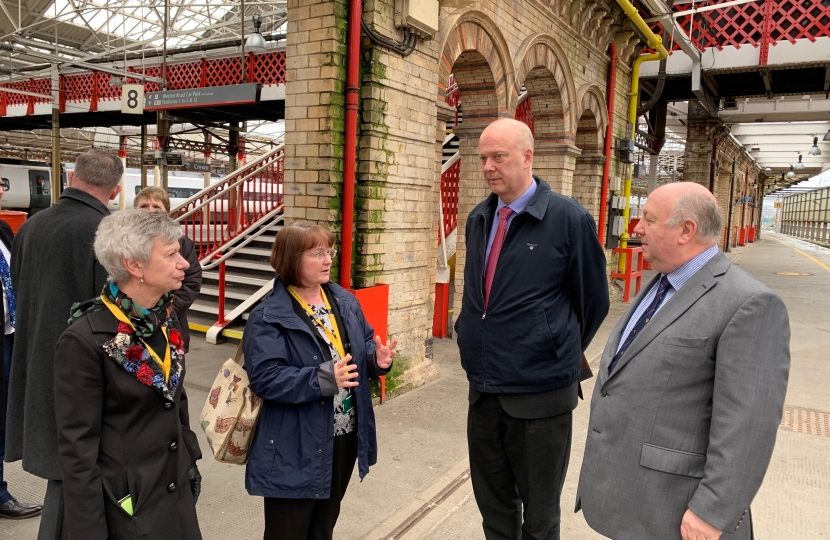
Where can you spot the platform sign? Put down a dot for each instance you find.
(149, 159)
(132, 99)
(237, 94)
(195, 166)
(173, 159)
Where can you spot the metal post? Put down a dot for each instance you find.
(56, 135)
(143, 151)
(242, 32)
(162, 132)
(728, 243)
(221, 319)
(652, 172)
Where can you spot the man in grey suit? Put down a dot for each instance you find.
(690, 389)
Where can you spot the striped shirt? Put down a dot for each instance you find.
(677, 278)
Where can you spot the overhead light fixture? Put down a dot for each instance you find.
(827, 136)
(754, 150)
(116, 81)
(799, 165)
(814, 151)
(255, 42)
(7, 145)
(791, 174)
(767, 171)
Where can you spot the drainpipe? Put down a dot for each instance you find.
(350, 143)
(656, 43)
(612, 89)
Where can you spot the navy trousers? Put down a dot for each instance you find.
(5, 496)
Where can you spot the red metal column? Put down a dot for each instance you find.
(612, 88)
(350, 150)
(766, 34)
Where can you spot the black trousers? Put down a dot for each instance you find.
(518, 469)
(314, 519)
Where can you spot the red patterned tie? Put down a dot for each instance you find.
(495, 249)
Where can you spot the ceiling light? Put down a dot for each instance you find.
(799, 165)
(7, 145)
(791, 174)
(826, 136)
(255, 42)
(814, 151)
(116, 81)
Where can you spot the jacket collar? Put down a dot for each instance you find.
(85, 198)
(698, 285)
(537, 206)
(279, 307)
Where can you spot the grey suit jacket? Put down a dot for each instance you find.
(689, 416)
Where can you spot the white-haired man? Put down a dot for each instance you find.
(690, 389)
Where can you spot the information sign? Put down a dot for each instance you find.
(132, 99)
(237, 94)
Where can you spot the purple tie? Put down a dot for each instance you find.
(495, 249)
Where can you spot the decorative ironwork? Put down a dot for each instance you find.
(449, 197)
(524, 113)
(266, 69)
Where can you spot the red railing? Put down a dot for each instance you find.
(224, 211)
(761, 23)
(93, 86)
(449, 196)
(524, 113)
(453, 98)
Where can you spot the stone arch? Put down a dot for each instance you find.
(590, 135)
(477, 54)
(543, 69)
(592, 120)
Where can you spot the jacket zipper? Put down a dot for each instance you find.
(484, 270)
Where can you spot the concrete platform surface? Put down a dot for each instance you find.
(420, 488)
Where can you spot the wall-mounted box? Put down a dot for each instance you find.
(420, 16)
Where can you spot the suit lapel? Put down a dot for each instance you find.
(697, 285)
(616, 333)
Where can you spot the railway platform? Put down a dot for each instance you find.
(420, 488)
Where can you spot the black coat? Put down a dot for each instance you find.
(184, 297)
(548, 298)
(6, 236)
(53, 266)
(118, 436)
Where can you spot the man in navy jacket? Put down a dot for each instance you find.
(535, 293)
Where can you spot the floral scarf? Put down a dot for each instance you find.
(127, 348)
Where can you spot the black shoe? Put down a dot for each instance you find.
(13, 509)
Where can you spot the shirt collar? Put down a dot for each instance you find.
(681, 275)
(521, 201)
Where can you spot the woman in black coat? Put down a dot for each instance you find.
(127, 453)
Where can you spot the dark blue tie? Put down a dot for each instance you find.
(662, 289)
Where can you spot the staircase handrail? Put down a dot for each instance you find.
(208, 264)
(212, 335)
(450, 162)
(227, 181)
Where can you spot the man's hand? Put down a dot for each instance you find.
(694, 528)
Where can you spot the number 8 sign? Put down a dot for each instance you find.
(132, 99)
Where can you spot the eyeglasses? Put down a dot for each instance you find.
(319, 256)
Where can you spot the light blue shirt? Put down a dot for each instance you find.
(677, 278)
(517, 206)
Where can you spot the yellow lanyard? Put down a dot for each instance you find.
(334, 337)
(165, 365)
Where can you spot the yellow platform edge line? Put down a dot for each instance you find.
(818, 262)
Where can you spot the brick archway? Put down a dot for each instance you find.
(476, 53)
(587, 179)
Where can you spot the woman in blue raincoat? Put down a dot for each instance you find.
(309, 354)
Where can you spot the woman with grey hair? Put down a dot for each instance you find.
(127, 452)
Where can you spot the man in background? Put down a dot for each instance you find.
(53, 266)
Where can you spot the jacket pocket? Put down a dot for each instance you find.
(672, 461)
(690, 342)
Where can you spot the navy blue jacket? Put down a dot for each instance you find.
(548, 299)
(290, 368)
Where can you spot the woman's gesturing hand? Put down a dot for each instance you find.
(342, 374)
(385, 353)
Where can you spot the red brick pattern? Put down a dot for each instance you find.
(542, 74)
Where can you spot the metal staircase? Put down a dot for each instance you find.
(234, 223)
